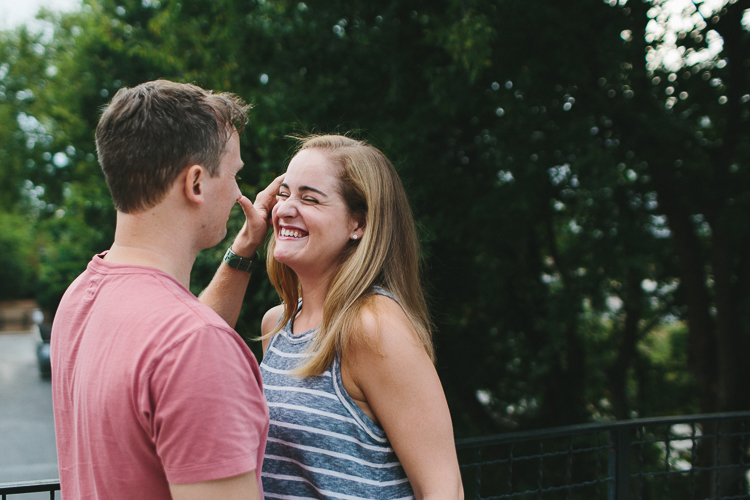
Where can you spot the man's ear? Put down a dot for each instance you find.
(193, 184)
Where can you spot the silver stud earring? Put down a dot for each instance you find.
(354, 236)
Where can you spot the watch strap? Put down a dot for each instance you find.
(236, 262)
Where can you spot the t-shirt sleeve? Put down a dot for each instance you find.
(206, 409)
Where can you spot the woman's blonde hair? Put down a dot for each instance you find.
(386, 256)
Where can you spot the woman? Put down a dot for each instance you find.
(357, 409)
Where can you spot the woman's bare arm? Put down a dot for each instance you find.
(401, 387)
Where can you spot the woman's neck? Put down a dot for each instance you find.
(314, 293)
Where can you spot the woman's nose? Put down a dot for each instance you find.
(285, 208)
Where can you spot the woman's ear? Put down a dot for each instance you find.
(193, 187)
(359, 222)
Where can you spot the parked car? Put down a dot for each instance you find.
(42, 350)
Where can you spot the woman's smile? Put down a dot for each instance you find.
(291, 232)
(311, 220)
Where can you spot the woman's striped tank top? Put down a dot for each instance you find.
(320, 443)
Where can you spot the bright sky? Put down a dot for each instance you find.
(17, 12)
(671, 17)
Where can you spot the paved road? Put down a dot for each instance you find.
(27, 433)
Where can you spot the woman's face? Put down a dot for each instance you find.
(311, 221)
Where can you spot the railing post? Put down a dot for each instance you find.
(620, 440)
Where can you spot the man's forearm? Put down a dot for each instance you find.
(227, 288)
(226, 292)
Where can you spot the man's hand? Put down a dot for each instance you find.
(254, 231)
(227, 288)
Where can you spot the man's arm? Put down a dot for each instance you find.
(227, 288)
(207, 415)
(242, 487)
(226, 291)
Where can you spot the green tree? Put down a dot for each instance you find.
(572, 200)
(18, 258)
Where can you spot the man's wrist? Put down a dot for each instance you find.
(244, 247)
(246, 252)
(238, 262)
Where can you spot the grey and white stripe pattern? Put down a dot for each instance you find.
(320, 444)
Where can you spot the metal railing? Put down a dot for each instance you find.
(44, 486)
(681, 458)
(699, 457)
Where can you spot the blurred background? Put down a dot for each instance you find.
(580, 173)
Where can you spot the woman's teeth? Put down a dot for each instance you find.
(291, 233)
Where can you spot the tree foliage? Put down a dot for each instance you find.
(580, 200)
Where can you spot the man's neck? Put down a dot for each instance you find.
(145, 239)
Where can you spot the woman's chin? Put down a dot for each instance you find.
(283, 258)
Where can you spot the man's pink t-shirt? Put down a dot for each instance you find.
(150, 387)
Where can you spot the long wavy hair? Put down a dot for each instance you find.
(387, 255)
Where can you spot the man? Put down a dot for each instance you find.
(155, 395)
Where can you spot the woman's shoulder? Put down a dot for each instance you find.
(382, 302)
(385, 338)
(384, 323)
(271, 318)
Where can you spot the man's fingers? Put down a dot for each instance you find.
(264, 202)
(246, 205)
(257, 215)
(266, 199)
(269, 194)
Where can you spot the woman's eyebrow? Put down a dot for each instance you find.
(304, 188)
(310, 188)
